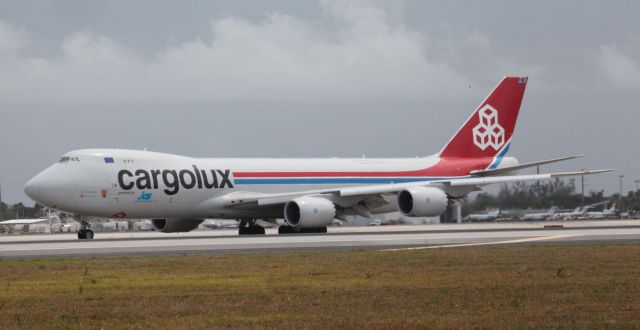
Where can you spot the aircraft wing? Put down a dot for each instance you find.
(503, 170)
(357, 194)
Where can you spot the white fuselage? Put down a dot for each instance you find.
(141, 184)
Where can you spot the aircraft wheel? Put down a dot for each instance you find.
(319, 230)
(88, 234)
(251, 230)
(81, 234)
(285, 230)
(291, 230)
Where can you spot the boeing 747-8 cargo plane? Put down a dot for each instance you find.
(178, 192)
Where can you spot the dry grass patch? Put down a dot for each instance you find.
(488, 287)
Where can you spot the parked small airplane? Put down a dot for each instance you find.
(577, 212)
(483, 217)
(539, 216)
(604, 214)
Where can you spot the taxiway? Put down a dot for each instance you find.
(382, 238)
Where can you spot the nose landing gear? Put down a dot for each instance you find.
(85, 231)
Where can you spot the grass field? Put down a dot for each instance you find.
(488, 287)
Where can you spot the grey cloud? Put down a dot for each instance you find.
(622, 69)
(364, 54)
(12, 38)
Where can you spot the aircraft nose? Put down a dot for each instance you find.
(33, 187)
(51, 187)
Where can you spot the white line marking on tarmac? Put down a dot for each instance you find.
(522, 240)
(100, 244)
(186, 244)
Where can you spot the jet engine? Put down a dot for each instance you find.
(422, 202)
(309, 212)
(175, 225)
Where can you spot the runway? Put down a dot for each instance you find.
(381, 238)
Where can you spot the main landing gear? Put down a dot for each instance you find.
(291, 230)
(249, 227)
(85, 231)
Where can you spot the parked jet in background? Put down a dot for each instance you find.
(178, 192)
(577, 212)
(539, 216)
(604, 214)
(483, 217)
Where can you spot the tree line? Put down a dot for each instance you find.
(543, 195)
(20, 211)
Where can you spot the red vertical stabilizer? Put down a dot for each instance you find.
(489, 129)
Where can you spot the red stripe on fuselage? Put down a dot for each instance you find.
(450, 166)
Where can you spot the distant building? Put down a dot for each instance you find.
(40, 225)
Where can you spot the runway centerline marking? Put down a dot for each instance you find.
(514, 241)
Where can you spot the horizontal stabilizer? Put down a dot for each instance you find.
(503, 170)
(516, 178)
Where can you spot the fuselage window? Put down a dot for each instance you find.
(64, 159)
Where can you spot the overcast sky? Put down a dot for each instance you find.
(314, 79)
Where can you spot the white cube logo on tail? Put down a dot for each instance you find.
(488, 133)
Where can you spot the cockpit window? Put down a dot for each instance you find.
(69, 159)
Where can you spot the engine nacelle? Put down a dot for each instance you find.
(309, 212)
(422, 202)
(175, 225)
